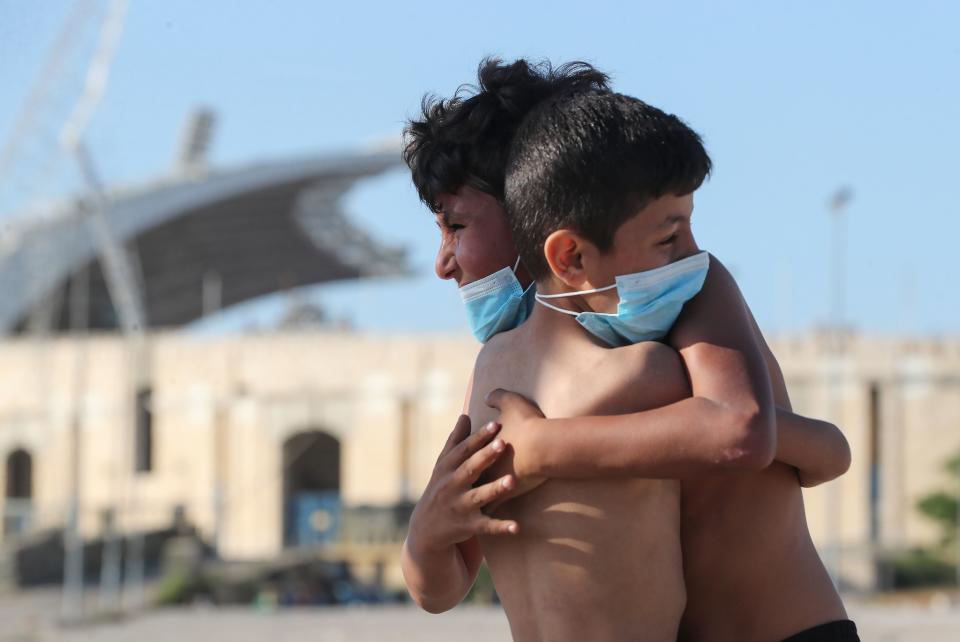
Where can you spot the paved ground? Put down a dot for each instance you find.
(28, 619)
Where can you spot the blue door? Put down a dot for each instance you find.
(315, 517)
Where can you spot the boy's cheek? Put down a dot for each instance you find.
(608, 302)
(478, 259)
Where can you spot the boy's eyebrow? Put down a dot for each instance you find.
(673, 219)
(445, 217)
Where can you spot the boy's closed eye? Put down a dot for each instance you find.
(445, 223)
(670, 239)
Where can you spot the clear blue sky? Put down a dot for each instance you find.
(793, 99)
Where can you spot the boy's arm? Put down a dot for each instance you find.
(441, 555)
(727, 423)
(597, 446)
(817, 449)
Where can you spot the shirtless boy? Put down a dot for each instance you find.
(441, 553)
(596, 559)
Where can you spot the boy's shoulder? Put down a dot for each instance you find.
(493, 355)
(641, 376)
(490, 370)
(499, 347)
(646, 357)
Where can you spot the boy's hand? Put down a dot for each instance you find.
(449, 511)
(521, 422)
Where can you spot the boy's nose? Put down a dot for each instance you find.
(445, 264)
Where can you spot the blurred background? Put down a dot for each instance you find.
(228, 366)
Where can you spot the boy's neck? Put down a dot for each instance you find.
(544, 322)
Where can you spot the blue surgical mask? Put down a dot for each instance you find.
(650, 302)
(497, 303)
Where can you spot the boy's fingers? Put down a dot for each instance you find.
(483, 495)
(504, 401)
(490, 526)
(470, 470)
(458, 434)
(494, 398)
(462, 451)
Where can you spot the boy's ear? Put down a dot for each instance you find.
(564, 251)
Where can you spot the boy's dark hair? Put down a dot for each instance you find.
(590, 160)
(465, 140)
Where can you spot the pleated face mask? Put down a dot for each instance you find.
(497, 303)
(650, 302)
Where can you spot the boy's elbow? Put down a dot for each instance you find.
(832, 467)
(414, 577)
(843, 465)
(843, 458)
(431, 606)
(755, 439)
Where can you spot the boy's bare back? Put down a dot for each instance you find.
(597, 560)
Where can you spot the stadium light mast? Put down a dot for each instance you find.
(838, 207)
(837, 337)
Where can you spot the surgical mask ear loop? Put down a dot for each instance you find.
(516, 265)
(576, 292)
(540, 298)
(556, 307)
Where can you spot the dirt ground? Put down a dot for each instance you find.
(32, 617)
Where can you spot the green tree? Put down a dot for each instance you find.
(942, 506)
(934, 566)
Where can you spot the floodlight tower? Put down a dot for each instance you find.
(838, 208)
(837, 336)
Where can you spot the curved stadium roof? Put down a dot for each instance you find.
(251, 231)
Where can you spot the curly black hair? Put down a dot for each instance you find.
(465, 140)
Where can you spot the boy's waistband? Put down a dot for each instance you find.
(839, 631)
